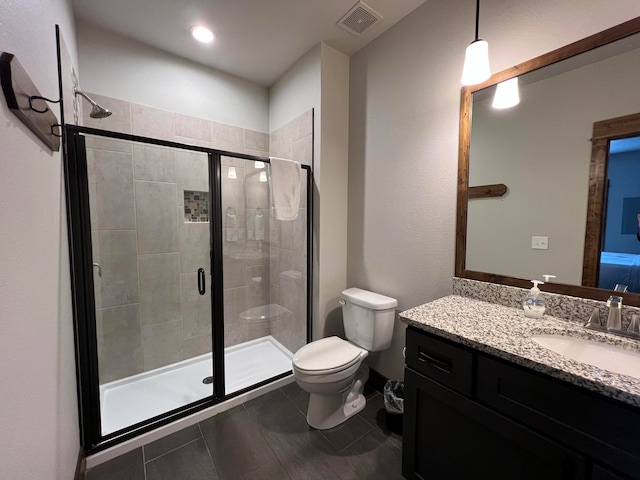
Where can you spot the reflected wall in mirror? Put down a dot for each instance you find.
(541, 150)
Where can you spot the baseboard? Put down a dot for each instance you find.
(81, 465)
(376, 380)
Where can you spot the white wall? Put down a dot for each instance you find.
(405, 90)
(38, 418)
(320, 80)
(117, 67)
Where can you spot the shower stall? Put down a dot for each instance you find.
(187, 290)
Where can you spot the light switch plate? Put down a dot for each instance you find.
(540, 243)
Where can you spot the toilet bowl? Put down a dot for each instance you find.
(332, 370)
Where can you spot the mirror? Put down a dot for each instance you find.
(531, 182)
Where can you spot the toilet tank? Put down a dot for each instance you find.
(368, 318)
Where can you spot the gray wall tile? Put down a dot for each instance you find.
(234, 304)
(233, 162)
(233, 271)
(227, 137)
(233, 192)
(303, 150)
(155, 164)
(293, 294)
(256, 140)
(256, 192)
(194, 247)
(119, 343)
(286, 233)
(161, 344)
(152, 122)
(110, 176)
(156, 217)
(196, 308)
(196, 346)
(103, 143)
(281, 327)
(251, 226)
(116, 254)
(303, 125)
(193, 172)
(193, 128)
(258, 286)
(159, 288)
(299, 234)
(97, 277)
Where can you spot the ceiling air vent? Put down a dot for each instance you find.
(359, 19)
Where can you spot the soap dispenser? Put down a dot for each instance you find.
(533, 303)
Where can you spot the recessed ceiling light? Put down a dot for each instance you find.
(202, 34)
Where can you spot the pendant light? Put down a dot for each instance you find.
(507, 94)
(476, 59)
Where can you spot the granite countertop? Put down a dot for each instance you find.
(505, 332)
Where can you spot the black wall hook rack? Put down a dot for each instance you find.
(38, 97)
(20, 94)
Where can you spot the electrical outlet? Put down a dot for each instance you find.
(540, 243)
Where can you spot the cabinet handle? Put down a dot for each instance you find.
(201, 281)
(439, 363)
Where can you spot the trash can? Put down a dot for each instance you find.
(394, 404)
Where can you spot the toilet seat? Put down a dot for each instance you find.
(326, 356)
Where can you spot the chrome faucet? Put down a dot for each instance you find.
(614, 321)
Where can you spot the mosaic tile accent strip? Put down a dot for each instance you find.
(506, 333)
(196, 207)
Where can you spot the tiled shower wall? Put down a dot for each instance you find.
(289, 238)
(149, 313)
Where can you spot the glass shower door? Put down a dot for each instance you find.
(151, 242)
(265, 282)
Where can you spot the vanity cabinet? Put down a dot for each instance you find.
(472, 416)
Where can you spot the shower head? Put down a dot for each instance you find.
(97, 111)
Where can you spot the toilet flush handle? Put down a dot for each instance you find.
(342, 302)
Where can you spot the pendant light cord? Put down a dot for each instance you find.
(477, 19)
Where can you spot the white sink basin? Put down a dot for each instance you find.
(601, 355)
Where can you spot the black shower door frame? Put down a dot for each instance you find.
(82, 285)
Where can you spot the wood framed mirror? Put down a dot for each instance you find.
(495, 229)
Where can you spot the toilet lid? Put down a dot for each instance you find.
(331, 353)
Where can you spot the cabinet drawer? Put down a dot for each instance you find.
(606, 430)
(447, 364)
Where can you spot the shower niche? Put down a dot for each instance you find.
(187, 291)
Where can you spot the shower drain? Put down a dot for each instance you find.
(207, 380)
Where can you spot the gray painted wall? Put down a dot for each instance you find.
(38, 419)
(403, 144)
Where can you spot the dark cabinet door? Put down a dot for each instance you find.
(448, 436)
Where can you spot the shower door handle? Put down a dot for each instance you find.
(201, 281)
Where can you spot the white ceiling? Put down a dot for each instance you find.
(257, 40)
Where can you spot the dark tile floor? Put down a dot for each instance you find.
(267, 438)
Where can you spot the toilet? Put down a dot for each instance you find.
(332, 370)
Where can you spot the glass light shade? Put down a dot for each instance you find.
(232, 173)
(263, 176)
(507, 94)
(202, 34)
(476, 63)
(258, 164)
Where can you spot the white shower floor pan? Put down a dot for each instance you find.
(133, 399)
